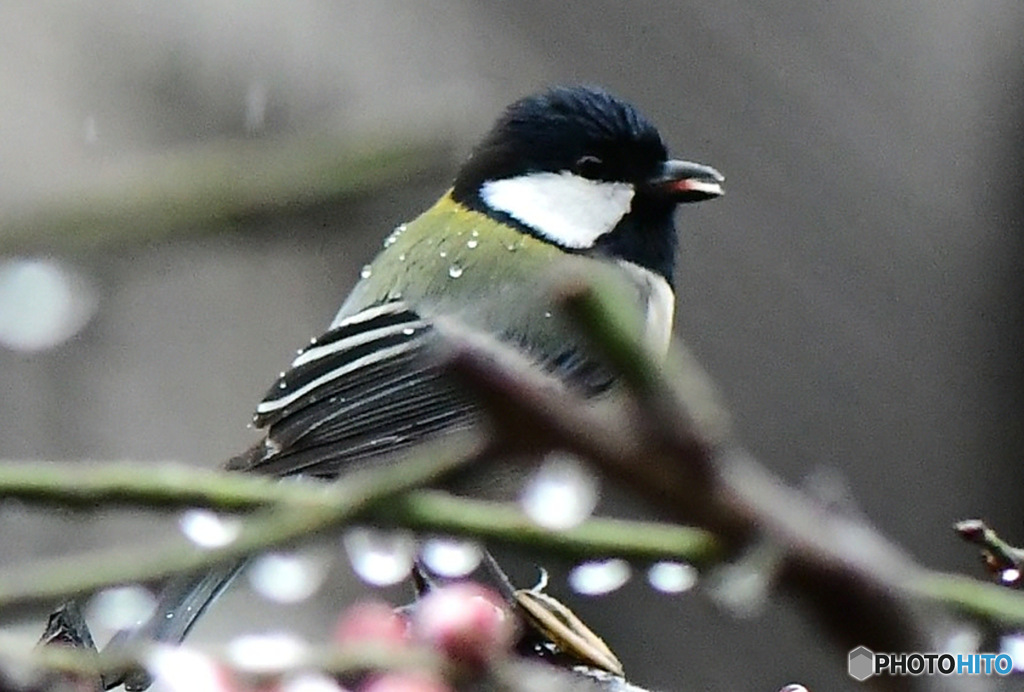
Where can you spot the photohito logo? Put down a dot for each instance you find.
(863, 663)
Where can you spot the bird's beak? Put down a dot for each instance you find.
(685, 181)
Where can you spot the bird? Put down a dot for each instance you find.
(570, 173)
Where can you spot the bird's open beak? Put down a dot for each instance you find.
(685, 181)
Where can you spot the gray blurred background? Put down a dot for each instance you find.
(855, 295)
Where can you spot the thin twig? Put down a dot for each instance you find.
(1002, 560)
(45, 583)
(88, 485)
(428, 511)
(424, 511)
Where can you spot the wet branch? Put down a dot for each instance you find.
(320, 507)
(46, 583)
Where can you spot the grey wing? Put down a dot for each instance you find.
(364, 389)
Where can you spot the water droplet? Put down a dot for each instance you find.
(380, 558)
(401, 257)
(561, 494)
(408, 331)
(475, 233)
(511, 247)
(309, 682)
(1013, 646)
(366, 272)
(120, 607)
(282, 385)
(287, 577)
(599, 576)
(393, 237)
(177, 669)
(451, 557)
(42, 304)
(1009, 575)
(267, 653)
(312, 342)
(471, 244)
(672, 577)
(455, 271)
(207, 529)
(743, 586)
(443, 253)
(547, 313)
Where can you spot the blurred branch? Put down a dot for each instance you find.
(504, 523)
(90, 485)
(977, 599)
(45, 583)
(146, 198)
(670, 442)
(511, 674)
(335, 660)
(170, 487)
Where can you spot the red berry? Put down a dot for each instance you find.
(404, 682)
(372, 622)
(467, 622)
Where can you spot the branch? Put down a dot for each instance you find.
(46, 582)
(1001, 560)
(670, 442)
(512, 674)
(979, 600)
(145, 198)
(319, 506)
(88, 485)
(427, 511)
(334, 660)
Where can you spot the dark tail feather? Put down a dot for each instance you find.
(181, 603)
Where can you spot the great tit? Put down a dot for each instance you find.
(571, 173)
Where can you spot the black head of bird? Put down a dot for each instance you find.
(580, 168)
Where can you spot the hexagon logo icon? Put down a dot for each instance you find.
(861, 664)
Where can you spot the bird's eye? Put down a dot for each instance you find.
(588, 166)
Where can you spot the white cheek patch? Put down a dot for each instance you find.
(565, 208)
(659, 306)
